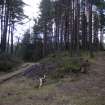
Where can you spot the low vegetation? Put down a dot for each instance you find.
(8, 62)
(60, 65)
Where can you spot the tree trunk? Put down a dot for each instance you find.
(90, 28)
(4, 37)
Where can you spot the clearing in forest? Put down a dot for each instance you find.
(82, 89)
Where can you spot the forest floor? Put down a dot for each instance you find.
(82, 89)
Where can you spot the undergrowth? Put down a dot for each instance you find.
(64, 64)
(8, 62)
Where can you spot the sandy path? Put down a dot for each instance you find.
(20, 70)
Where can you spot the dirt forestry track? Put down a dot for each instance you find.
(19, 71)
(83, 89)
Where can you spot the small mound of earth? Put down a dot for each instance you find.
(38, 70)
